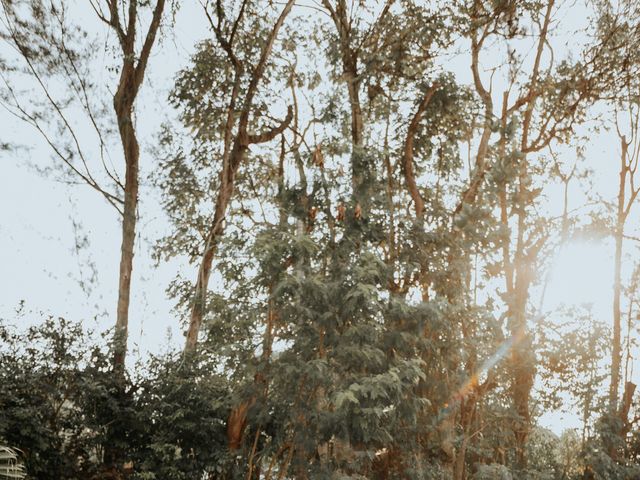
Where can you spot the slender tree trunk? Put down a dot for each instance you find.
(616, 353)
(123, 105)
(132, 157)
(523, 370)
(359, 167)
(204, 273)
(523, 357)
(357, 123)
(131, 78)
(616, 348)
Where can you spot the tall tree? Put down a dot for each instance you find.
(50, 47)
(552, 99)
(237, 137)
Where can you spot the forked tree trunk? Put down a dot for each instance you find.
(123, 107)
(131, 78)
(231, 164)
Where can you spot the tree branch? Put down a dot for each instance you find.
(409, 173)
(149, 41)
(274, 132)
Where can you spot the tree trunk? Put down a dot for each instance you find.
(123, 108)
(231, 164)
(523, 357)
(616, 348)
(359, 167)
(204, 273)
(523, 377)
(616, 353)
(523, 361)
(131, 77)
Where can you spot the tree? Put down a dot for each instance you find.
(367, 258)
(552, 99)
(237, 138)
(49, 47)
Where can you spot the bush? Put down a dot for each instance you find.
(71, 416)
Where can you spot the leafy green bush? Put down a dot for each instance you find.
(63, 407)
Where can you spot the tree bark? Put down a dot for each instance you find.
(204, 272)
(132, 156)
(523, 367)
(616, 347)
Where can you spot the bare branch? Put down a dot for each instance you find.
(149, 41)
(274, 132)
(408, 151)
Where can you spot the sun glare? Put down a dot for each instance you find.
(581, 274)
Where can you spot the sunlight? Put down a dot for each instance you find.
(581, 274)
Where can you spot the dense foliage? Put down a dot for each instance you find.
(370, 232)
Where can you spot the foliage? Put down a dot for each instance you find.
(376, 256)
(59, 405)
